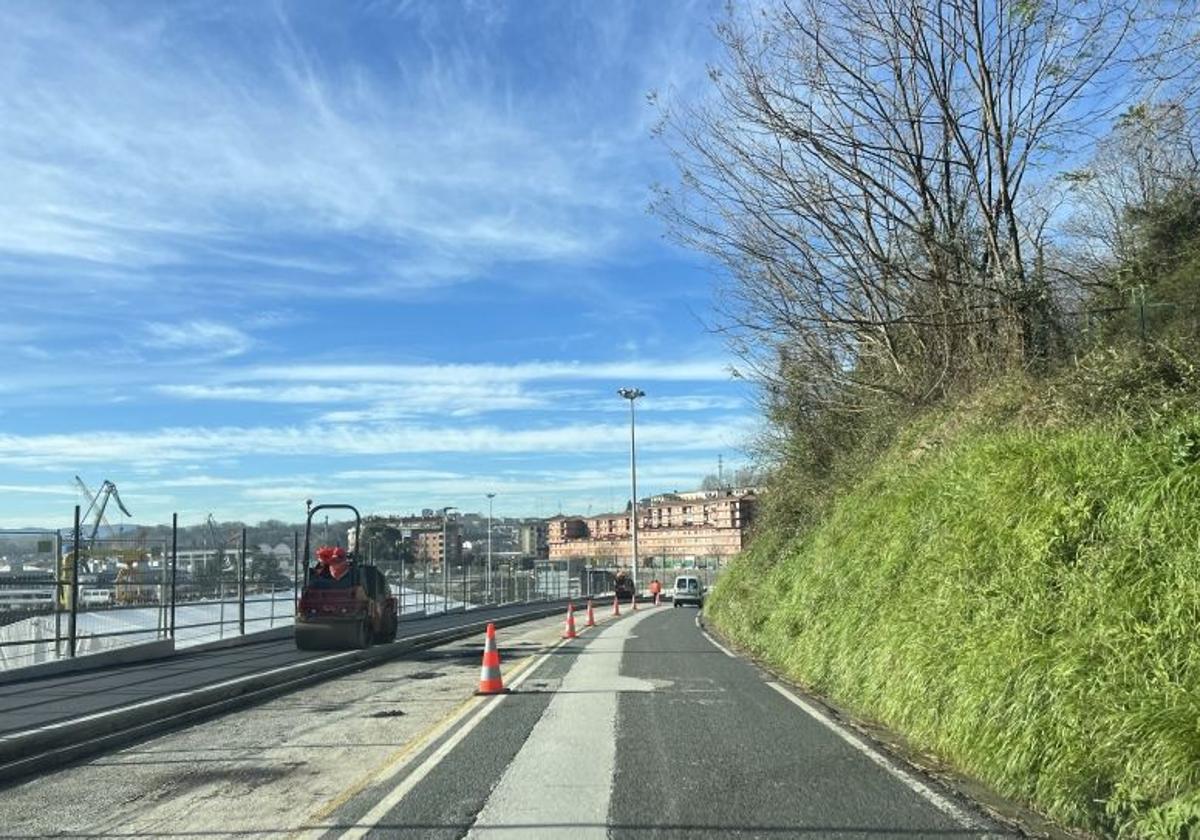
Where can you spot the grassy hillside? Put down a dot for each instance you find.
(1023, 599)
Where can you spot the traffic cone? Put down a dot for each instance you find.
(616, 605)
(490, 681)
(569, 633)
(591, 615)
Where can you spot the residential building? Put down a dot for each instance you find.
(533, 540)
(425, 535)
(672, 527)
(563, 528)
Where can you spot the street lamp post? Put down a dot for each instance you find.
(490, 496)
(632, 394)
(445, 562)
(403, 581)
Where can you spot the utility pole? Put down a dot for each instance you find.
(490, 496)
(632, 394)
(445, 561)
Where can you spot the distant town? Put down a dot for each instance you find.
(690, 529)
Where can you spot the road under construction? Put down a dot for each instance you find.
(620, 723)
(56, 714)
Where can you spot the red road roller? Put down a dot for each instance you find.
(344, 603)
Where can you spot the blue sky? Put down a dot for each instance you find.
(393, 253)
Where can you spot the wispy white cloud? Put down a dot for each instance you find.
(215, 150)
(38, 489)
(377, 393)
(204, 337)
(386, 400)
(195, 445)
(397, 475)
(671, 403)
(222, 481)
(654, 370)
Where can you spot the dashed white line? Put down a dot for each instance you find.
(943, 804)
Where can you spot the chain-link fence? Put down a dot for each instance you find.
(1140, 312)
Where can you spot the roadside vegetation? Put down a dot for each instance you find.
(1019, 596)
(962, 244)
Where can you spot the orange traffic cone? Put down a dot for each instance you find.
(490, 681)
(616, 605)
(591, 615)
(569, 633)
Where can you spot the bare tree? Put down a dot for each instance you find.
(1154, 149)
(865, 171)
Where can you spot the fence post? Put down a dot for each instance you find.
(242, 587)
(1139, 297)
(403, 587)
(295, 572)
(174, 566)
(58, 592)
(71, 623)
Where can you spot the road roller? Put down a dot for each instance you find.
(344, 603)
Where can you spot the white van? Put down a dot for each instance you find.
(688, 590)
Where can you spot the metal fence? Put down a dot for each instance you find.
(427, 588)
(57, 601)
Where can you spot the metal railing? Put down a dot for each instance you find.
(58, 602)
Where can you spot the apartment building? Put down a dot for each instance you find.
(676, 526)
(425, 534)
(533, 540)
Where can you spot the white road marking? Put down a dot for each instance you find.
(713, 641)
(367, 824)
(959, 815)
(547, 790)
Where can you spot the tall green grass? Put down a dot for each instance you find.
(1024, 603)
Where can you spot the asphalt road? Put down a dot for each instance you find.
(646, 728)
(32, 703)
(641, 728)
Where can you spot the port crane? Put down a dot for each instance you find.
(97, 506)
(98, 503)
